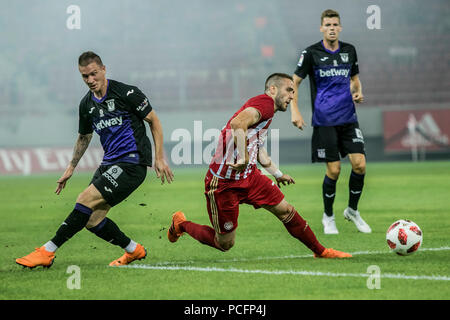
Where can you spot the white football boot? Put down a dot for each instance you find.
(329, 225)
(353, 215)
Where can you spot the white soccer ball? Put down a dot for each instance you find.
(404, 237)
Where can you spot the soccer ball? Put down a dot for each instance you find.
(404, 237)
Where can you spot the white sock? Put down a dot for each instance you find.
(131, 247)
(50, 246)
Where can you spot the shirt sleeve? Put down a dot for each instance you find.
(137, 102)
(84, 121)
(355, 68)
(305, 64)
(264, 104)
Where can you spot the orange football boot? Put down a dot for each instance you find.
(39, 257)
(174, 232)
(138, 254)
(331, 253)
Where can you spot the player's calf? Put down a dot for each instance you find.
(202, 233)
(296, 225)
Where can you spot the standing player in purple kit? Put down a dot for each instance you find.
(116, 111)
(333, 70)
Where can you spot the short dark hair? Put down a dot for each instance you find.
(89, 57)
(274, 79)
(329, 13)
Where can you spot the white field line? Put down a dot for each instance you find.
(173, 266)
(183, 262)
(286, 272)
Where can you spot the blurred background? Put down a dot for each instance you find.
(200, 60)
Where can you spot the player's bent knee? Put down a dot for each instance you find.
(358, 162)
(283, 211)
(359, 167)
(360, 170)
(287, 213)
(334, 171)
(94, 221)
(226, 245)
(98, 215)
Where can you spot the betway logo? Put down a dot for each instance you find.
(334, 72)
(105, 123)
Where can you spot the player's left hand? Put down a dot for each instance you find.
(285, 179)
(163, 171)
(358, 97)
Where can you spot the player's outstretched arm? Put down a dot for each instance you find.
(266, 162)
(296, 116)
(81, 145)
(162, 169)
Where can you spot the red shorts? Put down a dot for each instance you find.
(224, 196)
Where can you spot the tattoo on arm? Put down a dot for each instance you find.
(80, 147)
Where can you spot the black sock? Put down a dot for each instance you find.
(328, 194)
(110, 232)
(76, 221)
(355, 185)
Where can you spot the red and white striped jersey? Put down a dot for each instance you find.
(226, 150)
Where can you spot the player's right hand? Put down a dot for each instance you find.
(358, 97)
(63, 180)
(163, 171)
(241, 163)
(239, 167)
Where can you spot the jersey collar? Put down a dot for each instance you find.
(329, 51)
(102, 98)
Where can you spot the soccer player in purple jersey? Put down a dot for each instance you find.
(332, 66)
(117, 112)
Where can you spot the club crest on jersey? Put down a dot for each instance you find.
(302, 57)
(344, 57)
(110, 104)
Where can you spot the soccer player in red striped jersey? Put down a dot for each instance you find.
(233, 176)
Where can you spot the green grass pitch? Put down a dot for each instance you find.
(265, 263)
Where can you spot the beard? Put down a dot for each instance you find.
(281, 106)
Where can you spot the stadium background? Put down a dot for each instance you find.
(201, 60)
